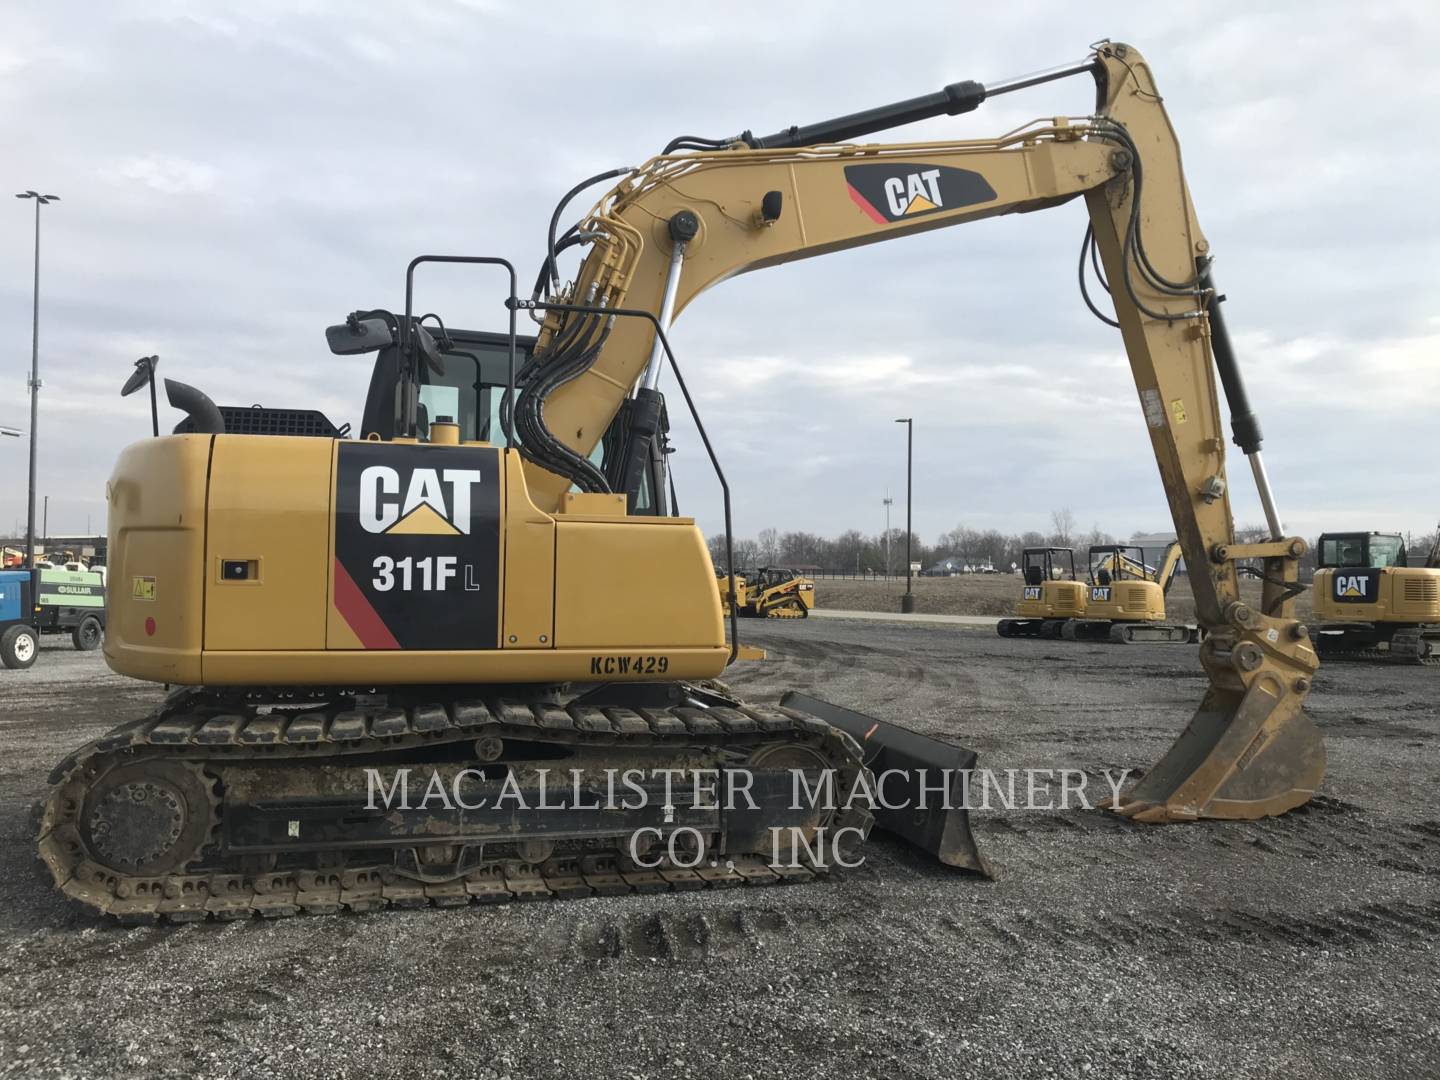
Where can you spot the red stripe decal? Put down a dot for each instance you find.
(861, 202)
(356, 610)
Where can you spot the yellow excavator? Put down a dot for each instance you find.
(1370, 604)
(1051, 597)
(451, 595)
(1126, 601)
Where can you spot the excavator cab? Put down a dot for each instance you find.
(1122, 585)
(1370, 604)
(1052, 594)
(1368, 550)
(469, 388)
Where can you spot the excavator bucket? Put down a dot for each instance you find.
(914, 768)
(1244, 755)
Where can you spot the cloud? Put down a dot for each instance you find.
(167, 175)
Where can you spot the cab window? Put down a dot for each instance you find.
(1342, 551)
(1386, 551)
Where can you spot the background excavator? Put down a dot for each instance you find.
(1051, 596)
(1370, 604)
(454, 591)
(1126, 598)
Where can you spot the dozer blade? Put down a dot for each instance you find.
(1243, 756)
(911, 761)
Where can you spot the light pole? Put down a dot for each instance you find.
(40, 200)
(907, 602)
(888, 503)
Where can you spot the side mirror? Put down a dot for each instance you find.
(355, 336)
(144, 374)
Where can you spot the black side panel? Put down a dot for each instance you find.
(417, 545)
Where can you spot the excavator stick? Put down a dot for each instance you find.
(924, 779)
(1244, 755)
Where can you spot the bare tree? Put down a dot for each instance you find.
(1062, 527)
(847, 552)
(745, 552)
(992, 547)
(769, 543)
(1095, 537)
(801, 549)
(852, 552)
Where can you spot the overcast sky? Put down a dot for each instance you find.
(233, 181)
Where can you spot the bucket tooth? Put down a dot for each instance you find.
(902, 760)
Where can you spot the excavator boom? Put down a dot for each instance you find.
(686, 221)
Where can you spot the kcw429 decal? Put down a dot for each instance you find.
(898, 192)
(642, 664)
(417, 545)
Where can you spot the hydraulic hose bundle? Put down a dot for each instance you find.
(572, 350)
(1134, 253)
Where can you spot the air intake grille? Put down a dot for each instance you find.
(1135, 596)
(258, 420)
(1422, 590)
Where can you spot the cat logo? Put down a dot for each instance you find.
(436, 502)
(1032, 592)
(1356, 587)
(890, 193)
(1100, 593)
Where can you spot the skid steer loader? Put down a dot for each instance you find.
(776, 593)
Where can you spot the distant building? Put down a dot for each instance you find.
(1153, 546)
(950, 565)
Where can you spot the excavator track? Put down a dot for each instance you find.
(159, 818)
(1031, 628)
(1410, 645)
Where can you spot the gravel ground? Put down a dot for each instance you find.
(1303, 946)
